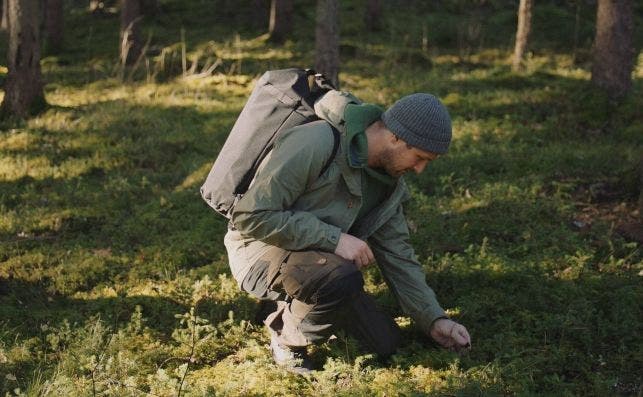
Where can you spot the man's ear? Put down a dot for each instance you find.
(392, 138)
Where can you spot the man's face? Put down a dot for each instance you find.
(400, 157)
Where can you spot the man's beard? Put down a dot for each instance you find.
(390, 159)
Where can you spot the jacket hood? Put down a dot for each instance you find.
(330, 107)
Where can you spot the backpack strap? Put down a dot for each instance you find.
(336, 138)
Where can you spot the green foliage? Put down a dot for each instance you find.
(113, 274)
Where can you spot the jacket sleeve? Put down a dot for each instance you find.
(265, 212)
(403, 273)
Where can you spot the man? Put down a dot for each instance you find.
(301, 238)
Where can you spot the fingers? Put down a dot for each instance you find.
(360, 261)
(369, 255)
(461, 341)
(366, 257)
(461, 336)
(464, 335)
(354, 249)
(451, 335)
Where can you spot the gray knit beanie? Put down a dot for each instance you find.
(420, 120)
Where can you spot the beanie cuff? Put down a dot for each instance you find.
(421, 142)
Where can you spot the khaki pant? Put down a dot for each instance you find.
(316, 293)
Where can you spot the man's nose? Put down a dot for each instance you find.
(420, 166)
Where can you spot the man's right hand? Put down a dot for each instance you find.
(450, 334)
(353, 249)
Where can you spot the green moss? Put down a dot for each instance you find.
(113, 274)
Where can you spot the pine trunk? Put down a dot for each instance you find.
(641, 189)
(280, 20)
(4, 24)
(130, 39)
(373, 15)
(327, 40)
(149, 7)
(522, 33)
(23, 88)
(613, 48)
(260, 14)
(54, 25)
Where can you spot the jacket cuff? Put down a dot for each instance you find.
(331, 239)
(429, 316)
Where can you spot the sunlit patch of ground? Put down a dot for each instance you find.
(114, 279)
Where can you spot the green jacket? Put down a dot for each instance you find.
(289, 205)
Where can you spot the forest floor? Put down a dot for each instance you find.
(113, 274)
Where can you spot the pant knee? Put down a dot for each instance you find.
(341, 285)
(319, 278)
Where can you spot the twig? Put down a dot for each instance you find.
(206, 73)
(102, 355)
(140, 57)
(187, 368)
(195, 63)
(167, 360)
(125, 47)
(183, 51)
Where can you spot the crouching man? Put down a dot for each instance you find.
(302, 239)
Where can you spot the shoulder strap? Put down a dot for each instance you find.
(336, 137)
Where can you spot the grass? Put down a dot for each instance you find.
(113, 275)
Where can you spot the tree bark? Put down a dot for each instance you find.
(149, 7)
(613, 47)
(130, 38)
(373, 15)
(522, 33)
(641, 189)
(327, 40)
(54, 25)
(260, 15)
(280, 25)
(24, 93)
(4, 24)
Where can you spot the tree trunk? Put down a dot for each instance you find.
(23, 88)
(149, 7)
(4, 24)
(522, 33)
(260, 14)
(373, 15)
(130, 39)
(280, 20)
(613, 48)
(641, 189)
(54, 25)
(327, 40)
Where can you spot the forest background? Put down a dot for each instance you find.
(113, 274)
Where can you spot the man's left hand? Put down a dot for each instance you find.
(450, 334)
